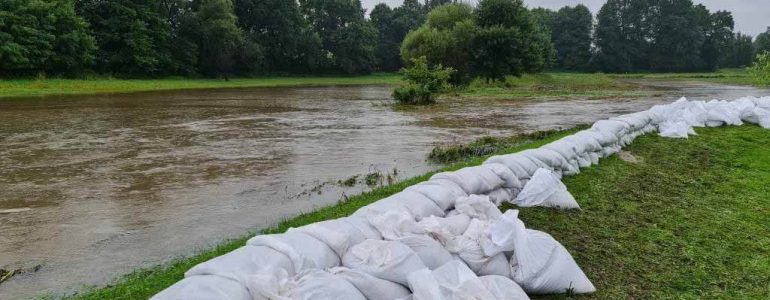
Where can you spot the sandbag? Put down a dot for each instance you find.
(371, 287)
(393, 224)
(431, 252)
(468, 248)
(503, 288)
(442, 192)
(243, 262)
(521, 166)
(540, 265)
(387, 260)
(451, 281)
(477, 206)
(445, 229)
(206, 287)
(304, 251)
(337, 234)
(473, 180)
(511, 181)
(498, 196)
(362, 224)
(412, 202)
(676, 129)
(549, 158)
(546, 190)
(313, 284)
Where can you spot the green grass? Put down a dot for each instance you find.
(51, 87)
(689, 220)
(725, 76)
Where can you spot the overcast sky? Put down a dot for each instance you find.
(751, 16)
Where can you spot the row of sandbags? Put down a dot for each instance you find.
(677, 120)
(445, 238)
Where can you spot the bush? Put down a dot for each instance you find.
(761, 69)
(422, 82)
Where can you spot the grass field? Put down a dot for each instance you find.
(49, 87)
(688, 220)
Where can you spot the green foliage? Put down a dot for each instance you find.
(762, 42)
(487, 145)
(508, 41)
(739, 53)
(393, 25)
(422, 82)
(761, 69)
(571, 36)
(445, 39)
(43, 36)
(220, 37)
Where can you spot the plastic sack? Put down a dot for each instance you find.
(243, 262)
(371, 287)
(677, 129)
(387, 260)
(540, 265)
(362, 224)
(546, 190)
(468, 248)
(451, 281)
(477, 206)
(520, 165)
(337, 234)
(393, 224)
(473, 180)
(311, 284)
(510, 179)
(414, 203)
(444, 230)
(430, 251)
(503, 288)
(442, 192)
(207, 287)
(304, 251)
(498, 196)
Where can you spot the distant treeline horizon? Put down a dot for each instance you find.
(216, 38)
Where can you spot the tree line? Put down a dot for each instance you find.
(152, 38)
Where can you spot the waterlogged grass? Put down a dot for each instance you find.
(725, 76)
(144, 283)
(49, 87)
(687, 220)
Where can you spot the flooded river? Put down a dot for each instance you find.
(95, 186)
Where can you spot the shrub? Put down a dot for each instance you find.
(422, 82)
(761, 69)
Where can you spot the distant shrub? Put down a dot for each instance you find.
(422, 82)
(761, 69)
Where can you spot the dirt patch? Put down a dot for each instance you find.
(628, 157)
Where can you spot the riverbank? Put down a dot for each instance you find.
(58, 87)
(681, 218)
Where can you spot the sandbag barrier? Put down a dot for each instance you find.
(446, 238)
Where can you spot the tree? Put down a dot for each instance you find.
(718, 33)
(220, 37)
(676, 38)
(342, 19)
(393, 25)
(571, 36)
(132, 36)
(431, 4)
(422, 82)
(740, 52)
(47, 36)
(762, 42)
(544, 18)
(279, 28)
(760, 70)
(508, 41)
(621, 36)
(445, 39)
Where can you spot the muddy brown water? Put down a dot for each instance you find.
(95, 186)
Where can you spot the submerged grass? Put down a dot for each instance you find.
(51, 87)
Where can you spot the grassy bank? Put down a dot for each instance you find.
(50, 87)
(688, 219)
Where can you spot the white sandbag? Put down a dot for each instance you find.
(430, 251)
(520, 165)
(337, 234)
(503, 288)
(498, 196)
(414, 203)
(207, 287)
(586, 140)
(304, 251)
(451, 281)
(565, 148)
(594, 158)
(540, 265)
(546, 190)
(473, 180)
(394, 224)
(676, 129)
(613, 127)
(510, 179)
(468, 248)
(499, 235)
(722, 112)
(477, 206)
(442, 192)
(387, 260)
(550, 158)
(361, 223)
(243, 262)
(314, 284)
(371, 287)
(445, 229)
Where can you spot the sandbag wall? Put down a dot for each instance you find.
(446, 238)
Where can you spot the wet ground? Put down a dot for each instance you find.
(94, 186)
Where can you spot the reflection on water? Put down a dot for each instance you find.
(94, 186)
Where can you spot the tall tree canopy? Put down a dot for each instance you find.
(392, 26)
(718, 33)
(621, 36)
(762, 42)
(740, 51)
(220, 37)
(43, 36)
(508, 41)
(571, 30)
